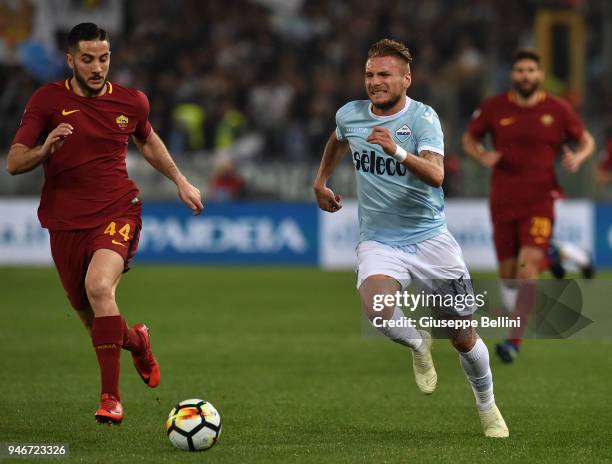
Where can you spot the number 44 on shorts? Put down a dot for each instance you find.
(541, 229)
(111, 230)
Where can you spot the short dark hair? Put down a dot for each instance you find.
(526, 54)
(85, 31)
(388, 47)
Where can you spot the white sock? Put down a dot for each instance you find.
(574, 255)
(475, 364)
(509, 294)
(407, 336)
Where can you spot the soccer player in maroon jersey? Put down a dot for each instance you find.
(528, 128)
(604, 168)
(88, 203)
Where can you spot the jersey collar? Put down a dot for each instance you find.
(540, 97)
(391, 116)
(109, 86)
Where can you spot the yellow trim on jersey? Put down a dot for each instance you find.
(108, 83)
(540, 97)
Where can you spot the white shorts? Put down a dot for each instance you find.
(436, 259)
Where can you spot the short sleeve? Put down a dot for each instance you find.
(143, 126)
(34, 121)
(340, 134)
(573, 127)
(429, 135)
(479, 122)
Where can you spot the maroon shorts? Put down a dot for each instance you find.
(72, 251)
(532, 226)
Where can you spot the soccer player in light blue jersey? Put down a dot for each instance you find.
(397, 148)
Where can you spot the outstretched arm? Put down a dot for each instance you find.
(332, 155)
(156, 153)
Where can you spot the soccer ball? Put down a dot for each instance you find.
(193, 425)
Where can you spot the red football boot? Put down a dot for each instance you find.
(110, 410)
(145, 363)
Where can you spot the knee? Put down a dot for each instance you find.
(373, 313)
(98, 288)
(528, 270)
(372, 309)
(463, 344)
(529, 263)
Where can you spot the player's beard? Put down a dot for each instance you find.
(384, 106)
(524, 90)
(89, 90)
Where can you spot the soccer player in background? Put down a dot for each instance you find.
(528, 128)
(564, 256)
(88, 203)
(398, 150)
(604, 168)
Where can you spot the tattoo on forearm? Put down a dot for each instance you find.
(433, 157)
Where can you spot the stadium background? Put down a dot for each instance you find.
(244, 94)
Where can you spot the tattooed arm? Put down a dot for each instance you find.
(428, 166)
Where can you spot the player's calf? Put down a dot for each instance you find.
(86, 316)
(387, 319)
(392, 323)
(475, 364)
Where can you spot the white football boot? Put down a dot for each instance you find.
(424, 370)
(493, 424)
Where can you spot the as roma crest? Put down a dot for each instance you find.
(122, 121)
(547, 119)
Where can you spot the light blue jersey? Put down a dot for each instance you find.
(395, 207)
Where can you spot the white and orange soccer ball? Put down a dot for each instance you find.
(194, 425)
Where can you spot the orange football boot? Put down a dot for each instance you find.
(145, 363)
(110, 410)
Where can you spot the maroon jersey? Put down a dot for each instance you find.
(529, 139)
(606, 161)
(86, 180)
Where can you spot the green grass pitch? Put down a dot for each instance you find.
(281, 354)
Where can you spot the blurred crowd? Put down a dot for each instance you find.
(272, 73)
